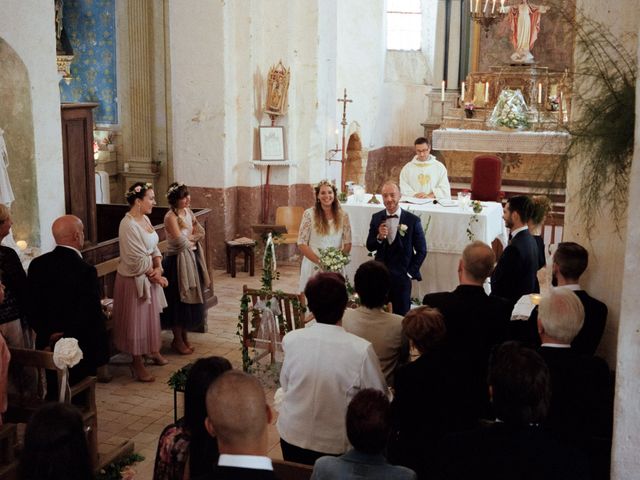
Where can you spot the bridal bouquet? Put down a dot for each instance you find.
(510, 111)
(333, 259)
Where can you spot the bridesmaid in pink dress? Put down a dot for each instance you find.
(138, 297)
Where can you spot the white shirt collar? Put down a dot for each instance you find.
(398, 212)
(556, 345)
(254, 462)
(572, 286)
(71, 248)
(518, 230)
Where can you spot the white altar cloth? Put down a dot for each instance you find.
(446, 238)
(491, 141)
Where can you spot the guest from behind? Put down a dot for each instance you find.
(570, 260)
(541, 206)
(423, 404)
(324, 367)
(324, 225)
(13, 324)
(185, 269)
(138, 298)
(424, 176)
(185, 448)
(397, 238)
(515, 273)
(238, 416)
(368, 429)
(475, 322)
(69, 306)
(55, 445)
(515, 446)
(370, 321)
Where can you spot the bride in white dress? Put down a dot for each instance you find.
(323, 225)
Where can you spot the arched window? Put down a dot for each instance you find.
(404, 25)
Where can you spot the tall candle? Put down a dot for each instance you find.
(486, 92)
(442, 92)
(539, 92)
(471, 6)
(502, 6)
(477, 9)
(493, 7)
(486, 4)
(337, 137)
(462, 91)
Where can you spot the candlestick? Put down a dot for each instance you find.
(486, 93)
(463, 91)
(539, 93)
(442, 92)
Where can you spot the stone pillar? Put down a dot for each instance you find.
(140, 25)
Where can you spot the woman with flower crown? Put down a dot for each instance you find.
(138, 297)
(324, 225)
(185, 268)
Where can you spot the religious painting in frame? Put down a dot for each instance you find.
(272, 143)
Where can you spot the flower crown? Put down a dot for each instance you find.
(173, 188)
(138, 189)
(325, 182)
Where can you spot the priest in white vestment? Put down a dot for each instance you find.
(424, 176)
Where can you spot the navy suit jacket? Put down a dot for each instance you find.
(515, 273)
(406, 253)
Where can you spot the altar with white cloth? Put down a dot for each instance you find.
(446, 235)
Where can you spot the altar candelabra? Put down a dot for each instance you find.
(486, 14)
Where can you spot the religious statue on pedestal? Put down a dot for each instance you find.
(277, 86)
(525, 25)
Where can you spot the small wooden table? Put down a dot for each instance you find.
(244, 246)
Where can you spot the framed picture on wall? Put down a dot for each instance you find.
(272, 143)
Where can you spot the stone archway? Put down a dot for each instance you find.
(16, 119)
(354, 165)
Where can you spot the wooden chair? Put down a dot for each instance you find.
(8, 444)
(486, 179)
(284, 470)
(290, 218)
(292, 307)
(83, 395)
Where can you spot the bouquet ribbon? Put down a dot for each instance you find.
(268, 330)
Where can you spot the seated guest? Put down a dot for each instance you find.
(515, 446)
(515, 273)
(581, 405)
(570, 260)
(185, 449)
(324, 367)
(65, 299)
(237, 416)
(475, 322)
(424, 176)
(370, 321)
(422, 406)
(368, 428)
(55, 445)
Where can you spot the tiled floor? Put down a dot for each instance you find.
(129, 410)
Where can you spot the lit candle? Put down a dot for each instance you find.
(22, 245)
(486, 93)
(539, 92)
(463, 91)
(471, 6)
(535, 298)
(477, 6)
(442, 92)
(337, 137)
(493, 7)
(486, 4)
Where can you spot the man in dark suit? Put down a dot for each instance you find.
(475, 322)
(65, 298)
(515, 446)
(581, 411)
(237, 416)
(570, 260)
(398, 240)
(515, 274)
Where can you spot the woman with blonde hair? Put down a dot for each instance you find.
(324, 225)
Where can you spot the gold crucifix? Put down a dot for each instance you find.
(344, 101)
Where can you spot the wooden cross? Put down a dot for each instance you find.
(344, 101)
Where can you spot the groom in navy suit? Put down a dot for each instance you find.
(398, 240)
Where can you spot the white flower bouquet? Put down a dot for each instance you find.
(510, 112)
(333, 259)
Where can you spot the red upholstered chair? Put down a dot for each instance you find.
(486, 178)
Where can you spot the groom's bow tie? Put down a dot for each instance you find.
(392, 216)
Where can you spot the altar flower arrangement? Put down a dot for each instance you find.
(468, 109)
(554, 102)
(333, 259)
(510, 111)
(402, 229)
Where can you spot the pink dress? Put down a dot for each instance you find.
(136, 309)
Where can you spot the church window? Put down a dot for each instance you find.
(404, 25)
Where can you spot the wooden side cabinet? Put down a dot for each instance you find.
(79, 168)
